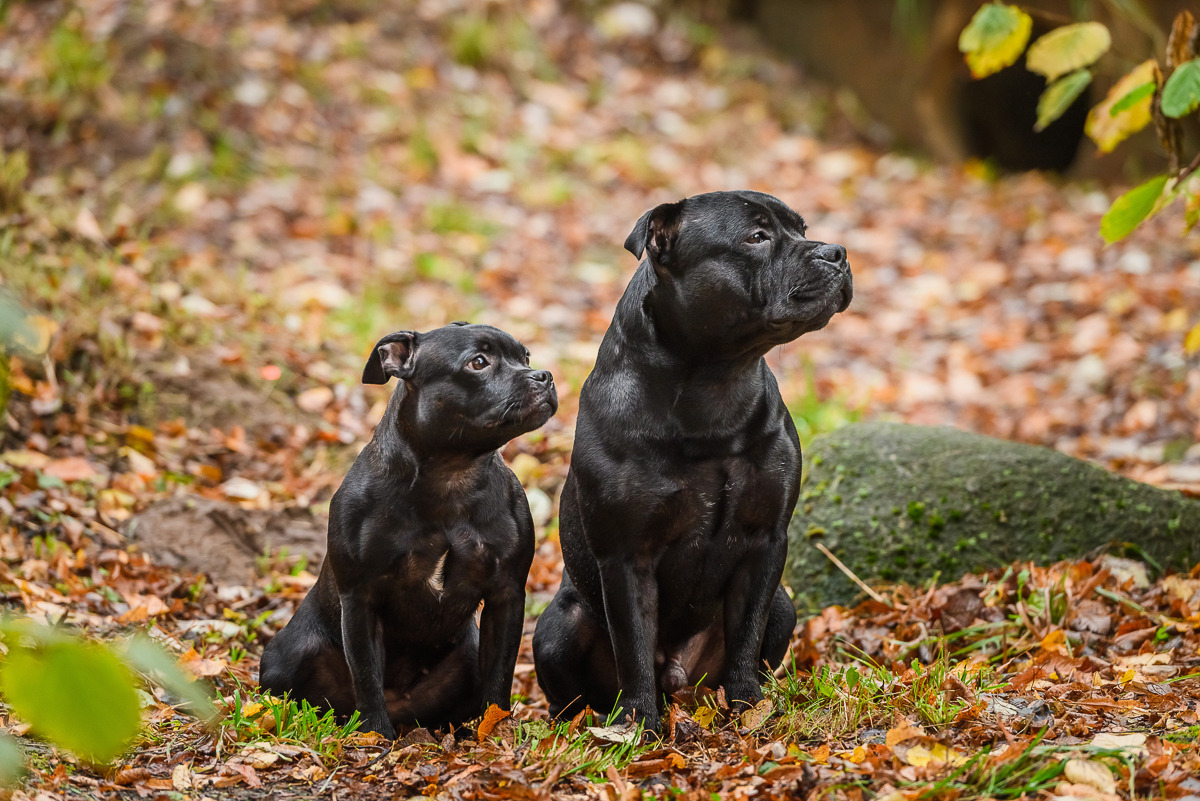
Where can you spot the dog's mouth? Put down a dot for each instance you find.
(529, 411)
(821, 297)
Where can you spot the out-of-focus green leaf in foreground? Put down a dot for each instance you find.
(1181, 94)
(1129, 210)
(159, 666)
(12, 761)
(75, 693)
(82, 695)
(1059, 96)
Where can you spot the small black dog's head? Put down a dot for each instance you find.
(736, 273)
(466, 386)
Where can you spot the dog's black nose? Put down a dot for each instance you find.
(542, 376)
(834, 254)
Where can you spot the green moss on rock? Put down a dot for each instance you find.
(924, 502)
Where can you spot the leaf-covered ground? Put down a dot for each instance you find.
(214, 208)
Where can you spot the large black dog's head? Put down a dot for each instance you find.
(736, 274)
(466, 387)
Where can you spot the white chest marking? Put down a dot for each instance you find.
(435, 580)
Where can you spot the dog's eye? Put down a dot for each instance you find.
(526, 358)
(478, 363)
(756, 237)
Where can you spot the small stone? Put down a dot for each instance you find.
(627, 21)
(315, 400)
(241, 489)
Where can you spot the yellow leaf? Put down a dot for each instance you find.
(705, 716)
(857, 756)
(1106, 129)
(1068, 48)
(1191, 342)
(994, 38)
(946, 754)
(928, 751)
(1091, 773)
(140, 433)
(1055, 641)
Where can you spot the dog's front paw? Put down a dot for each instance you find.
(380, 725)
(647, 717)
(743, 696)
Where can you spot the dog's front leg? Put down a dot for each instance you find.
(631, 608)
(499, 642)
(751, 589)
(362, 641)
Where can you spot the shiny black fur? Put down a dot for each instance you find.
(428, 523)
(686, 463)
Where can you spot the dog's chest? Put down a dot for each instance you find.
(721, 503)
(458, 560)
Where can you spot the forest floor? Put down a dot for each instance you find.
(212, 210)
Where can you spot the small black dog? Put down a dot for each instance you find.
(428, 522)
(686, 465)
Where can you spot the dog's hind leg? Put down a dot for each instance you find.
(573, 657)
(781, 621)
(304, 663)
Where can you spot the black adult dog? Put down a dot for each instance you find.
(428, 522)
(686, 464)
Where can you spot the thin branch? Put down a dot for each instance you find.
(850, 574)
(1187, 171)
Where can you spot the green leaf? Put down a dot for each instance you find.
(1068, 48)
(1130, 100)
(77, 694)
(994, 38)
(12, 761)
(1129, 210)
(1181, 93)
(158, 665)
(1059, 96)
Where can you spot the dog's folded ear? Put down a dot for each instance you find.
(394, 356)
(656, 232)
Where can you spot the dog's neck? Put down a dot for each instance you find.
(692, 394)
(654, 314)
(403, 450)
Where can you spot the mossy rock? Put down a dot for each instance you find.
(901, 503)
